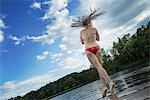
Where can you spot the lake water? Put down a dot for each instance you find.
(130, 84)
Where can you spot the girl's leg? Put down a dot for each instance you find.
(99, 67)
(99, 57)
(101, 78)
(103, 82)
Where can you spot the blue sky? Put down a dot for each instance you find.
(38, 46)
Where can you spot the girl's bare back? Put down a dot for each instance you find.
(88, 36)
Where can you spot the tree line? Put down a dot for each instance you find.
(128, 51)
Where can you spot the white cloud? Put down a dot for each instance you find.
(2, 16)
(43, 56)
(1, 36)
(56, 57)
(57, 10)
(45, 53)
(17, 40)
(142, 15)
(14, 38)
(69, 51)
(75, 60)
(59, 27)
(63, 47)
(36, 5)
(46, 2)
(39, 79)
(10, 85)
(69, 62)
(2, 24)
(56, 6)
(44, 39)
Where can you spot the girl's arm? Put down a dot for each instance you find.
(81, 40)
(97, 34)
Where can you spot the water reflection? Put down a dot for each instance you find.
(131, 84)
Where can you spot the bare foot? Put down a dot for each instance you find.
(104, 92)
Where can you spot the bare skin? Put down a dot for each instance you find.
(88, 36)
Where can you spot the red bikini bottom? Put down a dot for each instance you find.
(93, 49)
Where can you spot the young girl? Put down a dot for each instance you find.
(88, 37)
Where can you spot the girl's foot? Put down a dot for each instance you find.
(112, 88)
(104, 92)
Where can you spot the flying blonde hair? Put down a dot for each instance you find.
(85, 20)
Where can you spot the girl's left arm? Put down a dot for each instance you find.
(81, 38)
(97, 35)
